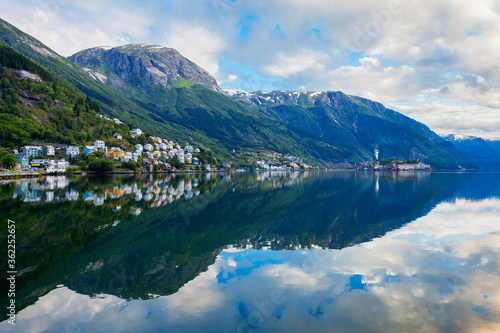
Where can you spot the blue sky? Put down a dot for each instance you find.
(435, 61)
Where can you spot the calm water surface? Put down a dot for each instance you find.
(255, 252)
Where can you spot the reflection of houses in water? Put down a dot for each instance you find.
(88, 196)
(49, 196)
(135, 211)
(278, 179)
(56, 182)
(22, 186)
(172, 191)
(114, 193)
(31, 196)
(158, 191)
(72, 195)
(98, 201)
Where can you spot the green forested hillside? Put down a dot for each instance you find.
(48, 109)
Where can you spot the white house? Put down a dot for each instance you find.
(137, 132)
(197, 150)
(189, 149)
(72, 151)
(148, 147)
(189, 156)
(118, 136)
(127, 156)
(170, 145)
(72, 195)
(57, 165)
(32, 151)
(157, 146)
(180, 155)
(51, 151)
(139, 147)
(163, 146)
(61, 165)
(99, 144)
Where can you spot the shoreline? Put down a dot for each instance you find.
(19, 175)
(35, 174)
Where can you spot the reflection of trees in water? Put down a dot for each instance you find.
(158, 251)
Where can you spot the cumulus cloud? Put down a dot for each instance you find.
(389, 50)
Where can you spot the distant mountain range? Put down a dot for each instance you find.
(484, 153)
(160, 91)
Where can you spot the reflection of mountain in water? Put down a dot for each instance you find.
(170, 243)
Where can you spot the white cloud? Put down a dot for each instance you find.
(288, 64)
(196, 43)
(405, 47)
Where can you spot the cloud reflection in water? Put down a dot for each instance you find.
(439, 273)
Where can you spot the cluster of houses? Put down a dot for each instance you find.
(395, 167)
(115, 120)
(278, 166)
(27, 158)
(156, 151)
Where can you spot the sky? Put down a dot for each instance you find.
(434, 61)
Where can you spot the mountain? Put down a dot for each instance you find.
(144, 66)
(485, 153)
(163, 93)
(354, 124)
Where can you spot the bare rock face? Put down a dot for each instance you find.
(144, 65)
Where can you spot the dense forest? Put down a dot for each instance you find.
(45, 107)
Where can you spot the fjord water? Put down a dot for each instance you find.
(255, 252)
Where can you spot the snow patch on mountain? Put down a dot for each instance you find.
(96, 75)
(232, 92)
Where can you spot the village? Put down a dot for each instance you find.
(153, 154)
(393, 164)
(156, 154)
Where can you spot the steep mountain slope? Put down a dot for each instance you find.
(143, 66)
(39, 105)
(352, 123)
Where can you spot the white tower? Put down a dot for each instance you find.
(376, 154)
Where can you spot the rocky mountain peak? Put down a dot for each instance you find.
(156, 65)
